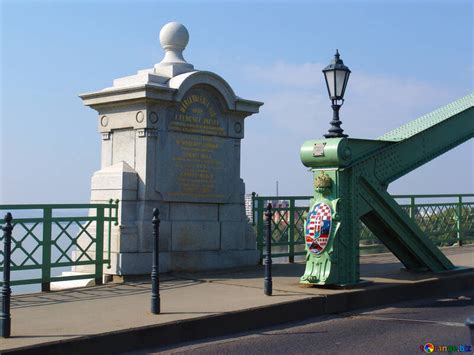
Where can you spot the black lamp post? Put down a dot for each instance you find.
(336, 75)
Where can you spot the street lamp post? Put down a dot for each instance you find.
(336, 75)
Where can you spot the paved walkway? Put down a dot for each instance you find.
(72, 314)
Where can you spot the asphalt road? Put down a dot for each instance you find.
(398, 329)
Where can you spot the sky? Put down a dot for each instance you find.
(407, 58)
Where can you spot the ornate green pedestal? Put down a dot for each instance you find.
(321, 228)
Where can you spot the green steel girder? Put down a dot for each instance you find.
(429, 120)
(352, 177)
(425, 139)
(397, 231)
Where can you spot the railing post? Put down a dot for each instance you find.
(46, 264)
(291, 232)
(459, 221)
(5, 317)
(412, 208)
(155, 276)
(260, 228)
(268, 287)
(99, 246)
(109, 232)
(253, 208)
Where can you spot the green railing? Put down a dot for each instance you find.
(53, 236)
(446, 219)
(287, 224)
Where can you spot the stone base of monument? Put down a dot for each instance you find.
(193, 236)
(140, 263)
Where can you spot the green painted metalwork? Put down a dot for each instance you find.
(429, 120)
(291, 231)
(287, 224)
(358, 172)
(44, 240)
(446, 223)
(99, 246)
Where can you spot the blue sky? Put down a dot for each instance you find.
(407, 59)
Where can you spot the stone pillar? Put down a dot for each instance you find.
(171, 139)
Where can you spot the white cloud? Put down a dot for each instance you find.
(281, 73)
(296, 97)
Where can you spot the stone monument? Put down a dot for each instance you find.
(171, 139)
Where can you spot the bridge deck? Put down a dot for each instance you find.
(72, 315)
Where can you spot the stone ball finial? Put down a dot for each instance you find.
(174, 35)
(173, 38)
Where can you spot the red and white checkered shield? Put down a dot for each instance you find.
(318, 228)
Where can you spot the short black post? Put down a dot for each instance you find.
(5, 318)
(155, 276)
(470, 324)
(268, 288)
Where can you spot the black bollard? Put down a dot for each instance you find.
(267, 285)
(5, 318)
(155, 276)
(470, 324)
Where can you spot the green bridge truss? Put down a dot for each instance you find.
(351, 179)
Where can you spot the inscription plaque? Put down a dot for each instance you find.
(202, 162)
(199, 112)
(318, 150)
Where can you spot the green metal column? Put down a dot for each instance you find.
(459, 221)
(99, 246)
(412, 208)
(291, 232)
(330, 234)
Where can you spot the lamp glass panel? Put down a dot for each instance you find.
(345, 83)
(340, 81)
(330, 82)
